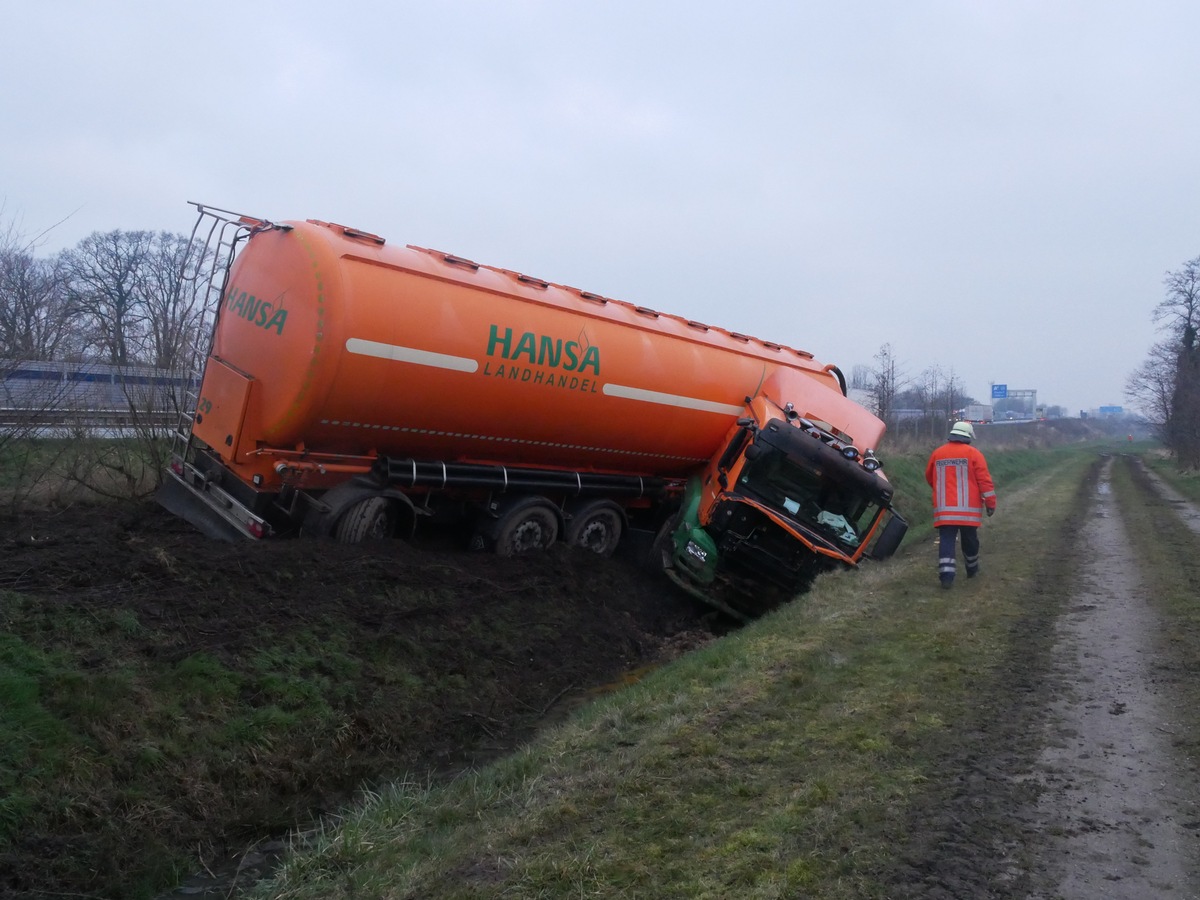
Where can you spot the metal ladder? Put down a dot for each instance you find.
(203, 275)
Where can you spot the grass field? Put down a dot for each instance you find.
(790, 759)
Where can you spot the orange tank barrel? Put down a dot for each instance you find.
(330, 340)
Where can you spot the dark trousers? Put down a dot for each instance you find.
(947, 536)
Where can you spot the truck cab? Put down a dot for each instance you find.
(788, 498)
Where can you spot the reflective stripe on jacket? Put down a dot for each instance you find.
(962, 485)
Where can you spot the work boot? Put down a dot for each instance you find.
(947, 581)
(971, 573)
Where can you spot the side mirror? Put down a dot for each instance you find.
(890, 538)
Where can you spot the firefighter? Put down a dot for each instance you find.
(962, 490)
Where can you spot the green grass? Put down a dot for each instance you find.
(36, 471)
(1187, 482)
(91, 738)
(782, 761)
(1009, 468)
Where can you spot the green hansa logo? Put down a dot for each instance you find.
(255, 311)
(543, 350)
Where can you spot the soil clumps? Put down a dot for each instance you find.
(491, 648)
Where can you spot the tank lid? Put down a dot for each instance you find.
(353, 233)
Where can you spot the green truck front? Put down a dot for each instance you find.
(790, 497)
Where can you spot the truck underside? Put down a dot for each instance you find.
(796, 507)
(203, 491)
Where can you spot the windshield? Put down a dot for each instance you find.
(811, 495)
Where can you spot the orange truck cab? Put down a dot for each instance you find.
(353, 389)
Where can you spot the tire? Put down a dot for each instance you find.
(372, 519)
(526, 529)
(597, 527)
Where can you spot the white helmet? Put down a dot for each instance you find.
(962, 431)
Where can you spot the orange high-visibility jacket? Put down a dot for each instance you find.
(962, 485)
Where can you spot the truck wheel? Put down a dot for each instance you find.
(525, 529)
(371, 519)
(597, 527)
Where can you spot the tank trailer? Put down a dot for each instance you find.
(356, 389)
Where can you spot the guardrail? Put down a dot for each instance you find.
(17, 418)
(59, 398)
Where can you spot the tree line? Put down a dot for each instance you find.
(115, 297)
(1167, 384)
(925, 403)
(125, 299)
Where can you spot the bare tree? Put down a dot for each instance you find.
(116, 297)
(938, 395)
(174, 314)
(885, 383)
(105, 287)
(34, 326)
(1180, 313)
(1151, 386)
(860, 377)
(1183, 429)
(951, 396)
(126, 289)
(34, 315)
(1180, 309)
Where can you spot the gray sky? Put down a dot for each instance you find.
(995, 188)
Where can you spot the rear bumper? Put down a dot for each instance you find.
(205, 505)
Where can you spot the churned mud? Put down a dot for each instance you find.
(506, 642)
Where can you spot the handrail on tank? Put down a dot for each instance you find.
(252, 222)
(203, 276)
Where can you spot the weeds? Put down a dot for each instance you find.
(60, 470)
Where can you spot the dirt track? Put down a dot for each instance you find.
(1118, 813)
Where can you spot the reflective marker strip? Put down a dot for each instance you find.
(463, 364)
(411, 355)
(632, 393)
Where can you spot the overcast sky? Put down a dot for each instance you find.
(994, 188)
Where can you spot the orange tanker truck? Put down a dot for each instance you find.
(357, 389)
